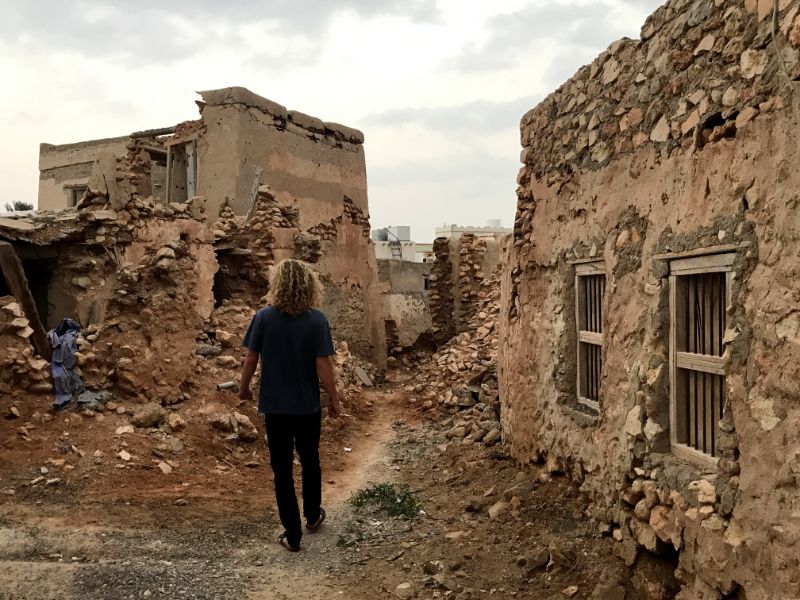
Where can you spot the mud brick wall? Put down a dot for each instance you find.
(685, 139)
(316, 173)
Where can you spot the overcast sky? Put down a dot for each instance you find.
(437, 86)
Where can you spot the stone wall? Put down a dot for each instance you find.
(685, 140)
(460, 268)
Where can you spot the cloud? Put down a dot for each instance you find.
(567, 28)
(473, 117)
(163, 32)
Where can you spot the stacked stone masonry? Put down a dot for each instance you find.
(682, 143)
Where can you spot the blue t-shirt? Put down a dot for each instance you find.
(289, 347)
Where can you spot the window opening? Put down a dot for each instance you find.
(75, 194)
(699, 297)
(590, 287)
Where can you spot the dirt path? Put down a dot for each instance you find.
(54, 551)
(312, 574)
(489, 528)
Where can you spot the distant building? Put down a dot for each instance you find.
(492, 228)
(424, 253)
(394, 243)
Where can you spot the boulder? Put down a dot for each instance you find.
(148, 415)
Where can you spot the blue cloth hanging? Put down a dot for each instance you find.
(67, 383)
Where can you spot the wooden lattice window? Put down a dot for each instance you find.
(590, 287)
(699, 297)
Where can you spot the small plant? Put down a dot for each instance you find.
(18, 206)
(392, 499)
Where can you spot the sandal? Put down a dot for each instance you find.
(283, 541)
(315, 526)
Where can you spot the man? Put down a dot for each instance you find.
(293, 341)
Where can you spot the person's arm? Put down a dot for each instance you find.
(248, 370)
(325, 373)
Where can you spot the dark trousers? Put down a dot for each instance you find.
(284, 434)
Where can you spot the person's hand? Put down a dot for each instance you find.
(245, 394)
(334, 409)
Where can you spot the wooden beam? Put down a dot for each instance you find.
(590, 337)
(721, 249)
(18, 284)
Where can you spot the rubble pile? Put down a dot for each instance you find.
(441, 296)
(352, 376)
(19, 368)
(464, 369)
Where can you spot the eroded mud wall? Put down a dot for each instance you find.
(684, 140)
(67, 165)
(315, 170)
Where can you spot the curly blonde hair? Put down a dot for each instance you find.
(294, 287)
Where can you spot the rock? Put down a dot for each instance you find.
(492, 437)
(223, 422)
(246, 430)
(124, 455)
(208, 350)
(498, 508)
(363, 376)
(149, 415)
(476, 504)
(165, 468)
(432, 567)
(537, 560)
(704, 490)
(181, 502)
(228, 362)
(642, 511)
(570, 591)
(165, 252)
(521, 490)
(753, 63)
(664, 525)
(457, 432)
(633, 422)
(730, 97)
(224, 338)
(175, 421)
(123, 429)
(705, 45)
(13, 412)
(661, 131)
(82, 282)
(404, 590)
(742, 119)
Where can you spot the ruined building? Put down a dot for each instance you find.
(170, 244)
(315, 207)
(651, 297)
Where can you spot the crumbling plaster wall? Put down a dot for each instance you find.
(405, 298)
(686, 139)
(70, 165)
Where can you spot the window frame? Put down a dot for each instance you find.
(721, 262)
(586, 269)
